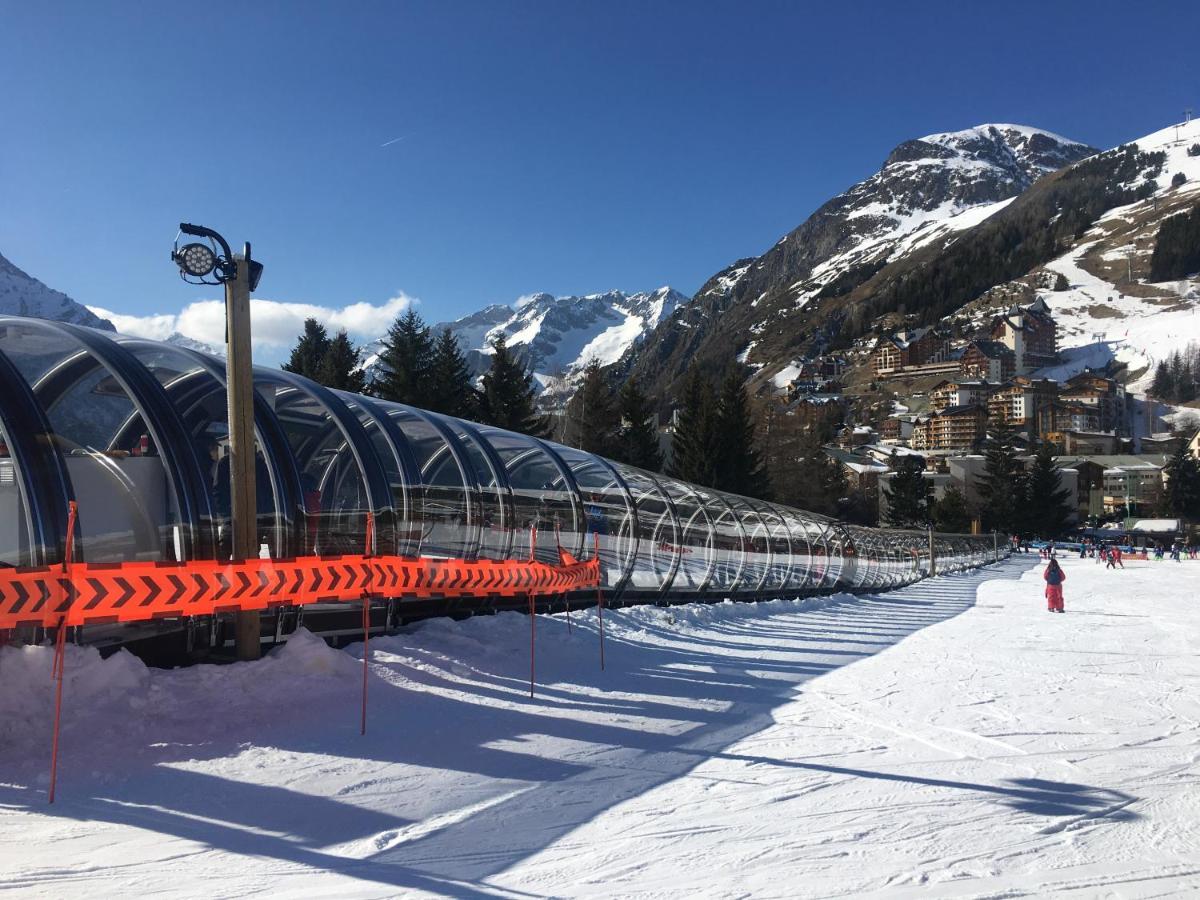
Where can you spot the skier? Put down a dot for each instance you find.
(1114, 557)
(1054, 576)
(1175, 552)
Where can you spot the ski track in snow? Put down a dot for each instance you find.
(950, 739)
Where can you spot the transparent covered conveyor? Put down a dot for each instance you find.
(119, 442)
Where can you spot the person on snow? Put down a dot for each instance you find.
(1114, 557)
(1054, 576)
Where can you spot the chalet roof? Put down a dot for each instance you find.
(961, 410)
(990, 349)
(854, 461)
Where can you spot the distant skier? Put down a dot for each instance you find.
(1054, 576)
(1114, 557)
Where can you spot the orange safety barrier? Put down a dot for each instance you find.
(95, 593)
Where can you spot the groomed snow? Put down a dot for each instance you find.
(948, 739)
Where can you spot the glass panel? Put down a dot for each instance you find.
(730, 540)
(608, 514)
(201, 399)
(335, 497)
(541, 498)
(658, 532)
(697, 542)
(15, 524)
(403, 537)
(781, 548)
(128, 509)
(495, 512)
(758, 545)
(445, 518)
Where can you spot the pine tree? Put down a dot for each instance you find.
(952, 514)
(1181, 494)
(1161, 388)
(637, 442)
(404, 362)
(802, 474)
(593, 420)
(1002, 486)
(692, 457)
(450, 390)
(310, 349)
(739, 468)
(508, 395)
(1046, 506)
(340, 366)
(908, 493)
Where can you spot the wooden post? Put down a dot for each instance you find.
(240, 379)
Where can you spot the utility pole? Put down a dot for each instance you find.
(240, 393)
(200, 264)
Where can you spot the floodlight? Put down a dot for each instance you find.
(197, 260)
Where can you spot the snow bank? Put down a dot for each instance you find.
(113, 688)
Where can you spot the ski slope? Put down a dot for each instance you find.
(951, 739)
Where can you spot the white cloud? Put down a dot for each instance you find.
(276, 323)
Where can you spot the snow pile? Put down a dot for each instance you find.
(307, 655)
(107, 690)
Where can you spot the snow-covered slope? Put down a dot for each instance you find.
(1105, 316)
(24, 295)
(950, 739)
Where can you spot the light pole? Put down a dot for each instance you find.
(240, 275)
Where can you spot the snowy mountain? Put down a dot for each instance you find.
(24, 295)
(1111, 313)
(557, 336)
(927, 191)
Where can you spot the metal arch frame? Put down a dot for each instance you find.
(406, 461)
(701, 510)
(271, 437)
(46, 494)
(357, 440)
(753, 509)
(508, 503)
(572, 486)
(564, 473)
(470, 483)
(170, 434)
(677, 544)
(660, 591)
(789, 561)
(635, 527)
(735, 583)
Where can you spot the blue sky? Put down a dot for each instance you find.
(469, 153)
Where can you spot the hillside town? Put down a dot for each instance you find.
(980, 383)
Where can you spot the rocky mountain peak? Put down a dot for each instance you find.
(24, 295)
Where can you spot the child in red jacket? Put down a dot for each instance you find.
(1054, 576)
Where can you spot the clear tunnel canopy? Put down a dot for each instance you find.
(135, 431)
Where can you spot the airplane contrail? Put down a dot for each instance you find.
(393, 141)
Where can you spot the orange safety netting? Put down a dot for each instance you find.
(94, 593)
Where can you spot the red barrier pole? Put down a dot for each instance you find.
(600, 606)
(58, 668)
(566, 598)
(366, 616)
(532, 613)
